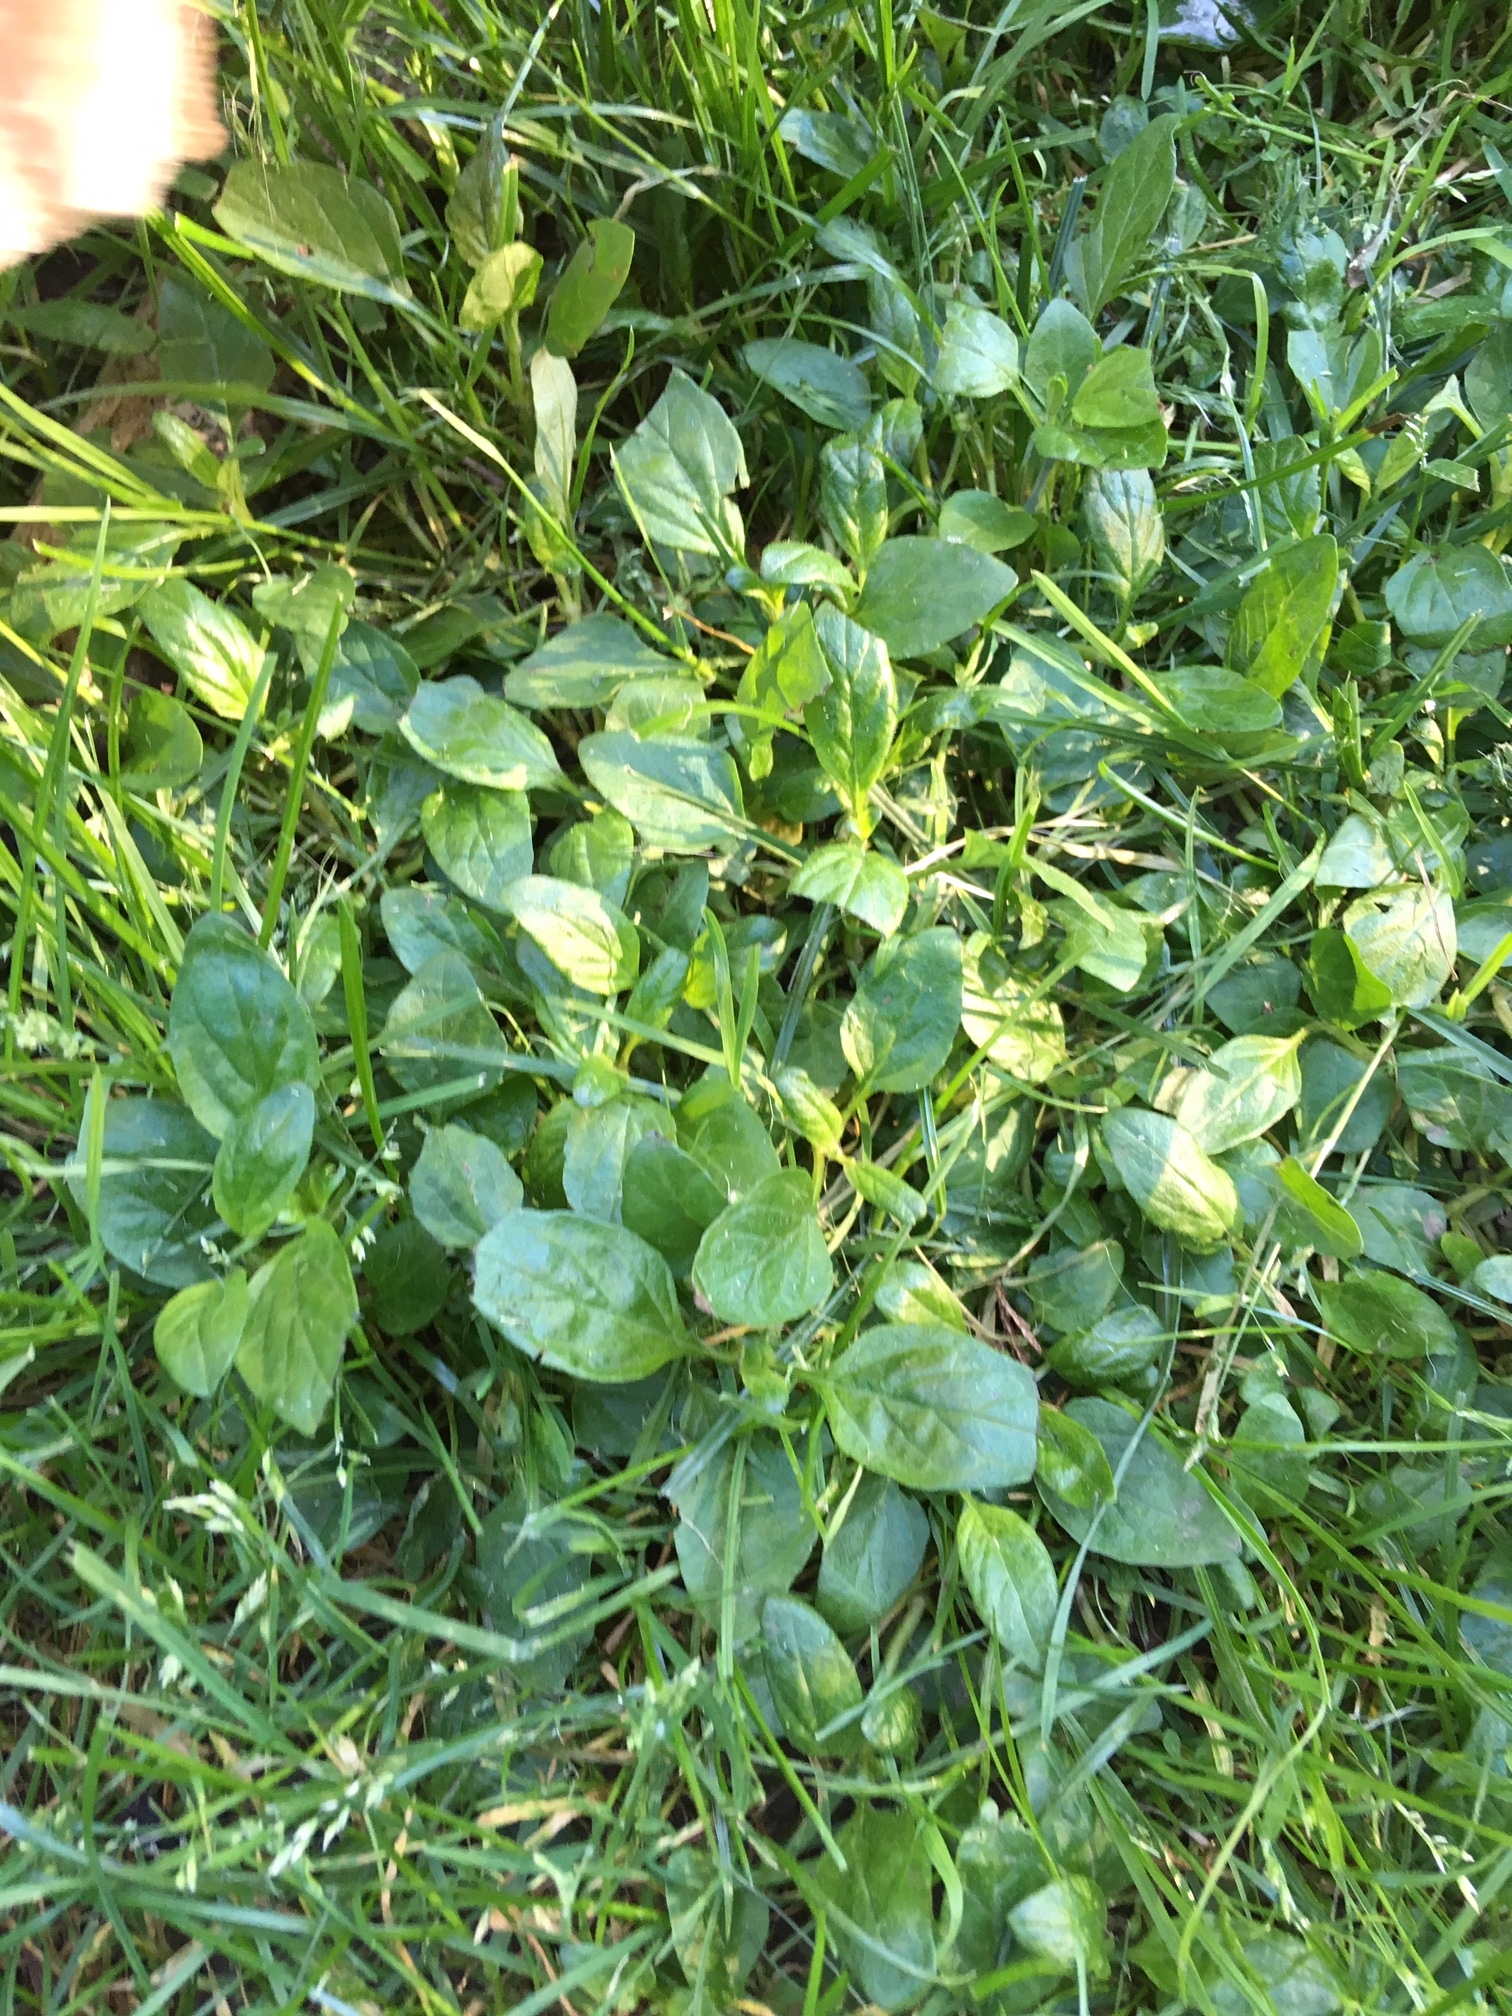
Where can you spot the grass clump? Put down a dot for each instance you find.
(756, 1077)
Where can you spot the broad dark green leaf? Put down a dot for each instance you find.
(1162, 1517)
(771, 1534)
(933, 1409)
(822, 383)
(237, 1030)
(300, 1307)
(1379, 1312)
(881, 1911)
(1135, 192)
(1435, 592)
(1012, 1581)
(480, 838)
(439, 1032)
(528, 1573)
(900, 1025)
(407, 1278)
(461, 1186)
(590, 285)
(261, 1158)
(420, 922)
(470, 734)
(204, 343)
(584, 1297)
(1175, 1185)
(811, 1676)
(669, 1199)
(921, 593)
(871, 1561)
(763, 1261)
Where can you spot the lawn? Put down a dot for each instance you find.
(756, 850)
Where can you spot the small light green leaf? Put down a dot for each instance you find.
(590, 286)
(1072, 1467)
(583, 666)
(161, 749)
(979, 519)
(461, 1186)
(933, 1409)
(811, 1676)
(979, 354)
(483, 211)
(763, 1261)
(1243, 1090)
(589, 941)
(853, 497)
(1343, 988)
(504, 284)
(261, 1158)
(197, 1333)
(1406, 941)
(300, 1308)
(1118, 393)
(1023, 1036)
(1012, 1582)
(852, 721)
(1331, 1229)
(206, 643)
(584, 1297)
(1063, 1924)
(1125, 525)
(864, 884)
(823, 384)
(1278, 629)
